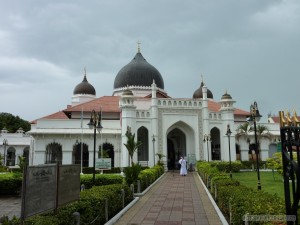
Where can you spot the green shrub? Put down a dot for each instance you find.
(246, 200)
(10, 183)
(89, 170)
(132, 173)
(225, 166)
(100, 179)
(91, 207)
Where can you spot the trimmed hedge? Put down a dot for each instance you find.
(100, 179)
(91, 207)
(241, 199)
(148, 176)
(10, 183)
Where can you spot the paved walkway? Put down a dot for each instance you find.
(176, 200)
(10, 206)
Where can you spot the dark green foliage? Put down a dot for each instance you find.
(245, 200)
(13, 123)
(241, 198)
(148, 176)
(91, 207)
(100, 179)
(10, 183)
(131, 144)
(132, 173)
(225, 166)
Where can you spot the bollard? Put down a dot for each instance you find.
(77, 217)
(138, 186)
(123, 197)
(216, 190)
(132, 188)
(106, 209)
(230, 212)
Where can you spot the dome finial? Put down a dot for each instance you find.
(202, 80)
(139, 46)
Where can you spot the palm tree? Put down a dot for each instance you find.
(131, 145)
(244, 130)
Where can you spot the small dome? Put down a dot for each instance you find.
(199, 94)
(138, 73)
(226, 96)
(84, 88)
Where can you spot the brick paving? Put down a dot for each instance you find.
(174, 200)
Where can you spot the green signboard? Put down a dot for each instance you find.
(103, 163)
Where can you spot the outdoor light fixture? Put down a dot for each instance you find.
(153, 140)
(5, 143)
(228, 133)
(95, 123)
(206, 139)
(253, 118)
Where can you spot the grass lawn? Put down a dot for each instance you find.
(269, 183)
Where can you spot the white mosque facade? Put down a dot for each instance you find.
(192, 127)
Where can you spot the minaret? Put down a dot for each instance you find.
(128, 120)
(227, 111)
(154, 135)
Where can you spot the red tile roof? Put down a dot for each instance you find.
(107, 104)
(111, 104)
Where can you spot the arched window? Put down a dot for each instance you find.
(143, 151)
(53, 153)
(76, 154)
(11, 157)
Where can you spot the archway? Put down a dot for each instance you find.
(176, 147)
(76, 154)
(53, 153)
(215, 144)
(11, 157)
(143, 151)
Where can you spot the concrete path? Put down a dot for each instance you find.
(10, 206)
(176, 200)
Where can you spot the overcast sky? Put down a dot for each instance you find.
(249, 48)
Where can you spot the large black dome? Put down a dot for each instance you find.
(199, 94)
(84, 88)
(138, 73)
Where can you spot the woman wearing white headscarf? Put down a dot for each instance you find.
(182, 162)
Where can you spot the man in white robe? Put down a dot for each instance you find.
(183, 170)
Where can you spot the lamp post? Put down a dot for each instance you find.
(228, 133)
(5, 143)
(95, 123)
(206, 139)
(255, 117)
(153, 140)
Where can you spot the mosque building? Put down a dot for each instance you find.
(191, 127)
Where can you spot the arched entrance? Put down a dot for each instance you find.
(53, 153)
(76, 154)
(215, 144)
(176, 147)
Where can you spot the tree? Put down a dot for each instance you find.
(131, 144)
(244, 130)
(13, 123)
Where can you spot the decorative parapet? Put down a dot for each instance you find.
(179, 103)
(143, 114)
(215, 116)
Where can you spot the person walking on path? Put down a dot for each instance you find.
(183, 170)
